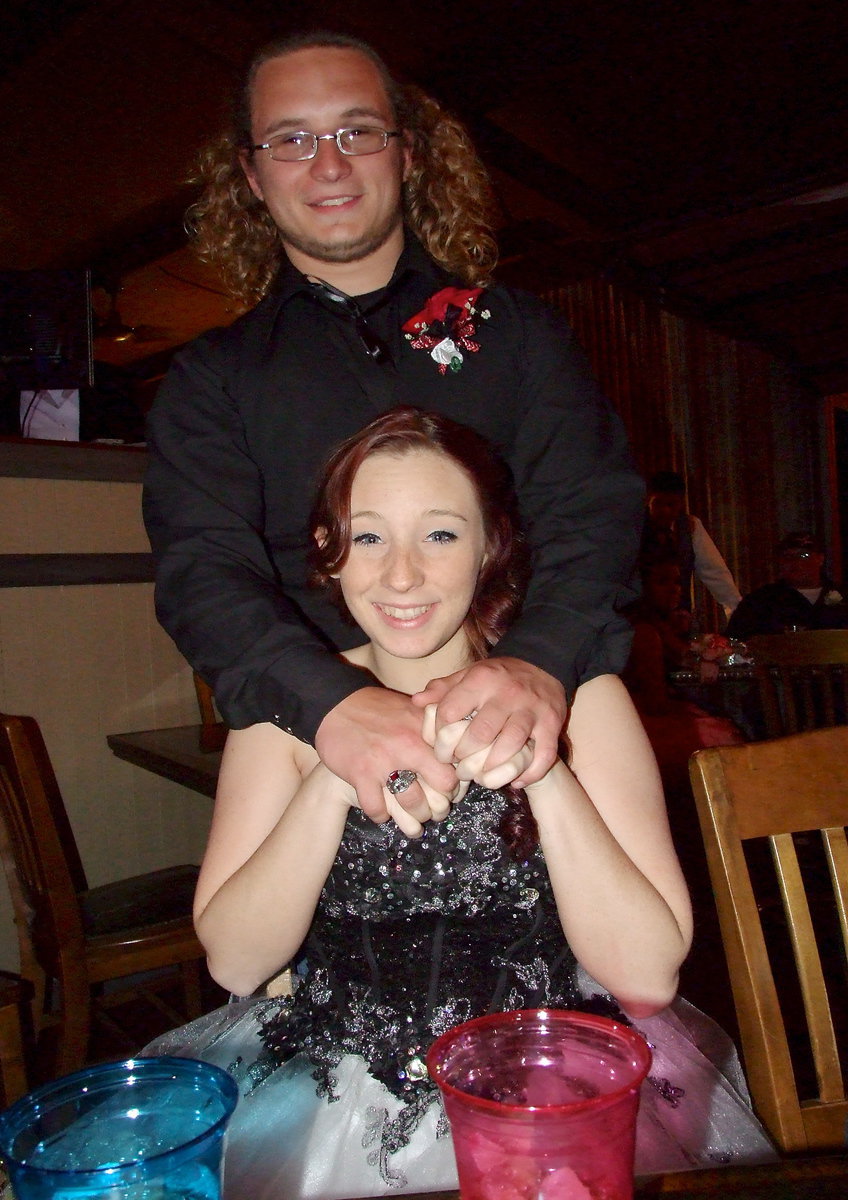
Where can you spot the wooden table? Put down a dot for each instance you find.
(822, 1178)
(187, 754)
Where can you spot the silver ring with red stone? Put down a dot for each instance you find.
(399, 781)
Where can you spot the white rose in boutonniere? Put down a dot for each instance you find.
(833, 597)
(447, 353)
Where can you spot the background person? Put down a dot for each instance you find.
(676, 726)
(355, 212)
(491, 909)
(802, 597)
(670, 529)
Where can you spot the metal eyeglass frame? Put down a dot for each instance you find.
(328, 137)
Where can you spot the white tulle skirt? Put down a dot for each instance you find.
(286, 1142)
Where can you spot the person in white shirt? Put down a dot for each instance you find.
(669, 527)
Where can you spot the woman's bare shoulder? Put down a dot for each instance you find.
(274, 749)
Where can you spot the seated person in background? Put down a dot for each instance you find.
(670, 529)
(506, 899)
(676, 727)
(802, 596)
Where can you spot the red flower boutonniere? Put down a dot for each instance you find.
(445, 326)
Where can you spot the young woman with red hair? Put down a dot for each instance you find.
(569, 894)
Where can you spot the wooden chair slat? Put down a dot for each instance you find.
(769, 697)
(806, 683)
(791, 717)
(810, 974)
(828, 680)
(836, 851)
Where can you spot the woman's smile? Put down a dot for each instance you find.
(405, 616)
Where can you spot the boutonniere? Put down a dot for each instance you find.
(445, 326)
(833, 597)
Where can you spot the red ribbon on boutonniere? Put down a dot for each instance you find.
(445, 326)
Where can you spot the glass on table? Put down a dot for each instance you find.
(145, 1129)
(542, 1104)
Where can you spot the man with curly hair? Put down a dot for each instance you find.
(353, 213)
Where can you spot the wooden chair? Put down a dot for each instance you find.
(205, 701)
(802, 679)
(773, 790)
(73, 938)
(213, 731)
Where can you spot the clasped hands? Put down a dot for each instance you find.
(496, 722)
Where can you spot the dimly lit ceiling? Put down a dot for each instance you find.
(696, 149)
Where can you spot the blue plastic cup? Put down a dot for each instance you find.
(146, 1129)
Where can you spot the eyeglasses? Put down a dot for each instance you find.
(296, 147)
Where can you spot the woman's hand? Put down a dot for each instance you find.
(509, 705)
(346, 794)
(439, 805)
(445, 741)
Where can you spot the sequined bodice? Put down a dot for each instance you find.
(459, 867)
(447, 914)
(412, 936)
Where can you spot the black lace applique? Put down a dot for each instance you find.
(667, 1090)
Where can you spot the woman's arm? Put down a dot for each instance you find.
(620, 892)
(274, 836)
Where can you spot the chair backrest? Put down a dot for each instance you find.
(802, 679)
(40, 855)
(806, 647)
(792, 792)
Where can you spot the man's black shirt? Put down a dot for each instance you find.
(248, 415)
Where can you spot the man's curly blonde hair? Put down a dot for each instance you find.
(447, 198)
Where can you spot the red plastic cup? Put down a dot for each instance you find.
(542, 1104)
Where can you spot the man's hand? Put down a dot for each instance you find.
(376, 731)
(513, 703)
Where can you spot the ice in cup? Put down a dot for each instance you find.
(542, 1104)
(145, 1129)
